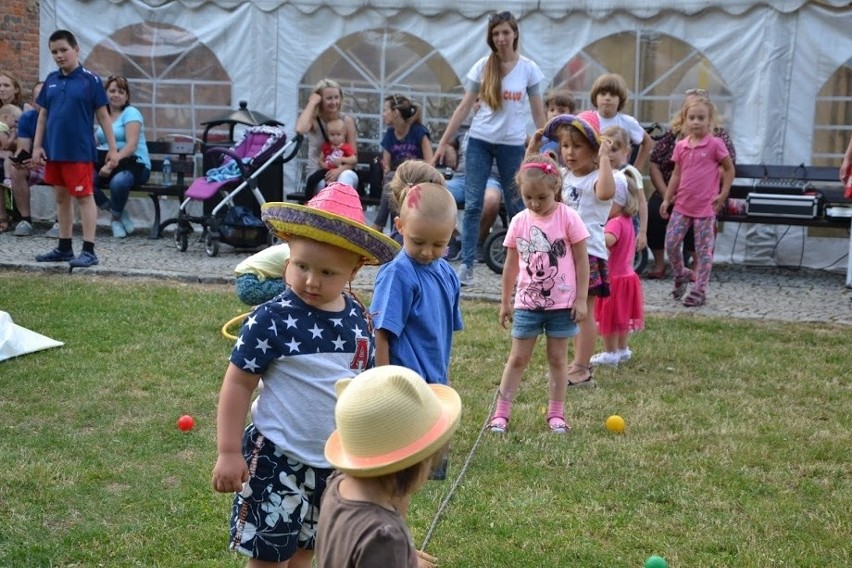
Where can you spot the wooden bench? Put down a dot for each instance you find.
(369, 195)
(821, 181)
(183, 168)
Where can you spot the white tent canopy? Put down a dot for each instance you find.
(773, 56)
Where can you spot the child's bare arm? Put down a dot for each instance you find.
(644, 151)
(580, 253)
(382, 348)
(727, 179)
(234, 400)
(671, 192)
(534, 145)
(605, 186)
(642, 235)
(106, 125)
(510, 276)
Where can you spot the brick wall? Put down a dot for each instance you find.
(19, 41)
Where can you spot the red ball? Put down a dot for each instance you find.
(186, 423)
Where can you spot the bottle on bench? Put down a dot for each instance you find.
(167, 172)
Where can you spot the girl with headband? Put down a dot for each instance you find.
(546, 260)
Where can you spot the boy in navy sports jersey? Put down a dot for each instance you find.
(70, 99)
(300, 343)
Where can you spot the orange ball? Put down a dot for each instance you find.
(185, 423)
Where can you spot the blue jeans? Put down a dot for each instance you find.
(478, 161)
(120, 185)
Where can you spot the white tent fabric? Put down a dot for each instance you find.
(773, 56)
(16, 340)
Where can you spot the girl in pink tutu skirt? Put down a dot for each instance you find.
(622, 312)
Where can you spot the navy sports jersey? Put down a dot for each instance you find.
(70, 102)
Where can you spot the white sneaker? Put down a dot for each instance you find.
(24, 229)
(127, 223)
(607, 358)
(624, 355)
(465, 274)
(118, 231)
(53, 232)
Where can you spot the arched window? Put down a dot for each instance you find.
(833, 120)
(658, 69)
(375, 63)
(176, 81)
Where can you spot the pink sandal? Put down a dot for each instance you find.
(558, 425)
(498, 424)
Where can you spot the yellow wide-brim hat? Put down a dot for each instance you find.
(333, 216)
(389, 418)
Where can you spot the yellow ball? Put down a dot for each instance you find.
(615, 423)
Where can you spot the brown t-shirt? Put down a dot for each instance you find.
(357, 534)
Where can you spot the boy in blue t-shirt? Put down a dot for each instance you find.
(71, 98)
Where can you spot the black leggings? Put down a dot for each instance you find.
(657, 226)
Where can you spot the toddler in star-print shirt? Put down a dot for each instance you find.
(300, 343)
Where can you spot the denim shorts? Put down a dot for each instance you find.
(278, 509)
(552, 323)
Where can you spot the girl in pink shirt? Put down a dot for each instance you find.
(547, 266)
(694, 191)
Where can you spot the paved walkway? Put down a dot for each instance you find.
(737, 291)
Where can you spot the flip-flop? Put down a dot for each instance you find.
(588, 382)
(655, 275)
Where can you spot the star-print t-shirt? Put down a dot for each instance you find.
(301, 352)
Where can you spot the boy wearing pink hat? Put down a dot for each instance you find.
(300, 343)
(392, 428)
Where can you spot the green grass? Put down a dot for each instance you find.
(737, 449)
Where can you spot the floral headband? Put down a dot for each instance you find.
(575, 121)
(543, 166)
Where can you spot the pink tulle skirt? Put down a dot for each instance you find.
(623, 310)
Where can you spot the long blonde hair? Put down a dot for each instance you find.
(490, 91)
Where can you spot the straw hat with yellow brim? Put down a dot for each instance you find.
(332, 216)
(388, 418)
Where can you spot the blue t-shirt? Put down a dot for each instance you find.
(418, 305)
(119, 130)
(27, 124)
(408, 148)
(70, 102)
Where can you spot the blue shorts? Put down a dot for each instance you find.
(456, 187)
(278, 509)
(552, 323)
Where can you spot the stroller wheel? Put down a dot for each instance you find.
(181, 238)
(495, 254)
(211, 244)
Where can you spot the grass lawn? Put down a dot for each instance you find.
(737, 450)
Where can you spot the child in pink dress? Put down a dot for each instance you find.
(622, 312)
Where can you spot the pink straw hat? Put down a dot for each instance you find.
(388, 418)
(332, 216)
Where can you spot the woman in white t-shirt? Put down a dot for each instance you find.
(505, 82)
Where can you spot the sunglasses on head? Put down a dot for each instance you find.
(699, 92)
(499, 16)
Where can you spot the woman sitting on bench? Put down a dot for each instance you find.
(134, 166)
